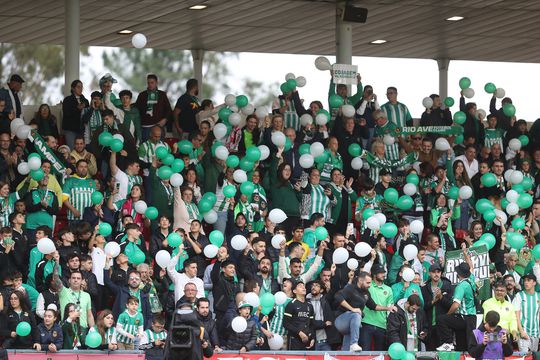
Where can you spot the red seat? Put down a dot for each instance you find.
(171, 141)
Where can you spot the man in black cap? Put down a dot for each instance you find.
(11, 95)
(437, 294)
(299, 320)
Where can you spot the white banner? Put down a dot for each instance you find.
(345, 74)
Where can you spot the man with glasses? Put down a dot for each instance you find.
(503, 307)
(395, 111)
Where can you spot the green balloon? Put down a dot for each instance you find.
(504, 203)
(161, 152)
(241, 101)
(232, 161)
(391, 195)
(449, 102)
(480, 243)
(459, 139)
(389, 230)
(116, 145)
(266, 310)
(267, 300)
(37, 175)
(489, 215)
(405, 202)
(292, 84)
(151, 213)
(177, 165)
(93, 339)
(23, 329)
(354, 149)
(104, 139)
(210, 196)
(490, 88)
(518, 187)
(412, 178)
(35, 155)
(367, 213)
(247, 188)
(97, 197)
(321, 233)
(185, 147)
(518, 223)
(515, 240)
(527, 183)
(137, 257)
(303, 149)
(464, 83)
(335, 101)
(460, 117)
(536, 252)
(246, 164)
(229, 191)
(525, 201)
(488, 179)
(174, 239)
(285, 88)
(224, 114)
(408, 356)
(216, 238)
(253, 153)
(396, 351)
(489, 239)
(288, 144)
(321, 159)
(524, 140)
(105, 229)
(205, 206)
(164, 172)
(453, 193)
(484, 205)
(168, 159)
(509, 110)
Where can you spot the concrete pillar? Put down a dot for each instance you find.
(198, 58)
(343, 37)
(72, 42)
(443, 77)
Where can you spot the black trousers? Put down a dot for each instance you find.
(461, 325)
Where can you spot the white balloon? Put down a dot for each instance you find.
(15, 124)
(210, 251)
(280, 297)
(507, 174)
(516, 177)
(512, 209)
(278, 138)
(248, 109)
(138, 41)
(140, 206)
(234, 108)
(119, 137)
(275, 342)
(321, 119)
(427, 102)
(465, 192)
(357, 163)
(261, 112)
(481, 113)
(46, 246)
(220, 131)
(381, 218)
(512, 196)
(410, 252)
(234, 119)
(340, 256)
(306, 161)
(514, 144)
(388, 140)
(500, 93)
(252, 299)
(277, 240)
(23, 168)
(277, 216)
(112, 249)
(222, 153)
(348, 110)
(502, 215)
(416, 226)
(301, 81)
(408, 274)
(442, 144)
(230, 100)
(239, 176)
(352, 264)
(373, 224)
(322, 63)
(265, 152)
(239, 242)
(316, 149)
(362, 249)
(239, 324)
(34, 163)
(289, 76)
(176, 180)
(306, 119)
(23, 132)
(211, 217)
(409, 189)
(468, 93)
(163, 258)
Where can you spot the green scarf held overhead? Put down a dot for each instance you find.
(152, 100)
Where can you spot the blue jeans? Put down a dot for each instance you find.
(463, 221)
(372, 334)
(349, 324)
(323, 346)
(70, 136)
(221, 223)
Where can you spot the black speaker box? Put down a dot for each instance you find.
(355, 14)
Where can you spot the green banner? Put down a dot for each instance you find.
(480, 258)
(46, 153)
(442, 130)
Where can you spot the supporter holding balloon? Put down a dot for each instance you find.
(106, 329)
(471, 127)
(436, 115)
(15, 314)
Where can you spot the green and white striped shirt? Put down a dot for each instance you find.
(131, 324)
(376, 164)
(79, 193)
(290, 116)
(493, 136)
(464, 295)
(319, 200)
(397, 113)
(391, 152)
(7, 207)
(276, 324)
(529, 305)
(149, 336)
(147, 151)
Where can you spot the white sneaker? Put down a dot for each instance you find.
(355, 348)
(446, 347)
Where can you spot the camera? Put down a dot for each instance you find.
(493, 337)
(181, 337)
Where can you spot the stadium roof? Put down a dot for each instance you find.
(492, 30)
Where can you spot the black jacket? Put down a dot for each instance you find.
(332, 334)
(224, 289)
(396, 326)
(356, 297)
(210, 328)
(476, 350)
(441, 306)
(247, 338)
(71, 114)
(9, 322)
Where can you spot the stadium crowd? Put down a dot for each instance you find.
(294, 228)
